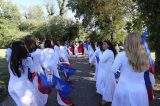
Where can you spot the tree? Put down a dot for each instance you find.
(9, 19)
(58, 28)
(150, 14)
(34, 12)
(104, 16)
(9, 32)
(50, 7)
(9, 11)
(61, 4)
(30, 25)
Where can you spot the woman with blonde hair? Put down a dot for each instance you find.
(132, 63)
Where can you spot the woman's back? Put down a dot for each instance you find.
(21, 89)
(38, 58)
(128, 74)
(131, 89)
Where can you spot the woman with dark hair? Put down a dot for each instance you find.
(20, 88)
(111, 47)
(38, 58)
(31, 43)
(47, 43)
(105, 79)
(52, 43)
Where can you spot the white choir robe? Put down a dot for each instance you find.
(90, 52)
(38, 59)
(64, 53)
(50, 61)
(93, 59)
(21, 89)
(76, 50)
(57, 54)
(105, 79)
(131, 89)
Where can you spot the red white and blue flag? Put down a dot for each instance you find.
(149, 74)
(64, 90)
(67, 70)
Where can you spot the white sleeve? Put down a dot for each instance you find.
(106, 56)
(93, 57)
(117, 63)
(29, 64)
(41, 57)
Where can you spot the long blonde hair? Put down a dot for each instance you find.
(135, 52)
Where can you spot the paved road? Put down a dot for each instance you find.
(84, 93)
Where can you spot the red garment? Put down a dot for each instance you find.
(72, 48)
(80, 48)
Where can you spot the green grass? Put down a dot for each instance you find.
(153, 55)
(4, 74)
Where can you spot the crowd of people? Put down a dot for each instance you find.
(27, 60)
(120, 76)
(26, 63)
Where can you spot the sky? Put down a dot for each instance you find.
(23, 4)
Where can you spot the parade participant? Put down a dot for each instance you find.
(20, 88)
(132, 63)
(37, 57)
(91, 49)
(96, 57)
(105, 80)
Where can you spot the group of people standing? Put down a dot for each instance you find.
(26, 58)
(129, 88)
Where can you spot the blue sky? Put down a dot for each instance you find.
(23, 4)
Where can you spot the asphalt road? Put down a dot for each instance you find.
(84, 93)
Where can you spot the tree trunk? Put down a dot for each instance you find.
(61, 5)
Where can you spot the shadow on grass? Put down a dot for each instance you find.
(4, 77)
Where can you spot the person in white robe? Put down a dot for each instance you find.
(57, 53)
(105, 80)
(85, 45)
(37, 57)
(95, 58)
(20, 88)
(91, 49)
(76, 49)
(50, 59)
(64, 53)
(132, 63)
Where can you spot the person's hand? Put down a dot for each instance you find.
(50, 72)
